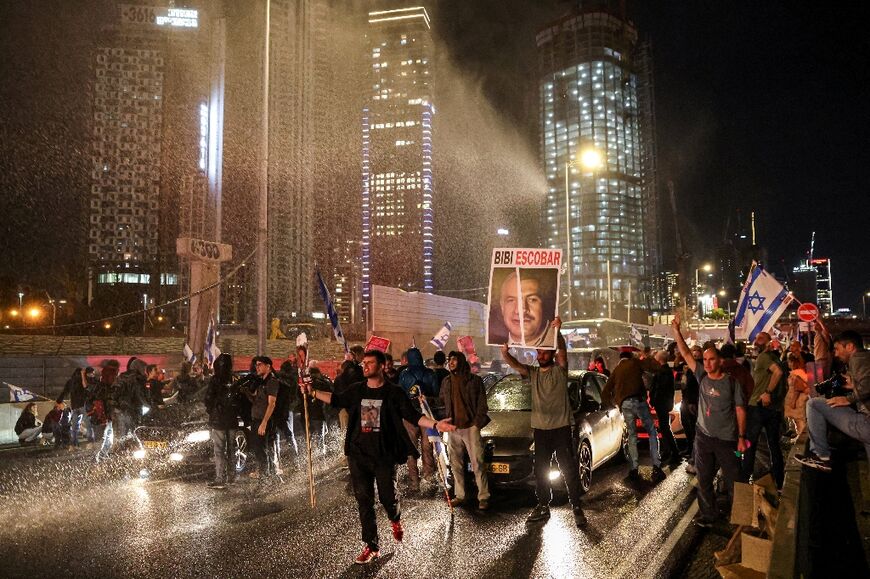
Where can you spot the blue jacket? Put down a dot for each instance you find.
(417, 373)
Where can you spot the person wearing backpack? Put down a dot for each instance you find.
(721, 428)
(221, 401)
(764, 410)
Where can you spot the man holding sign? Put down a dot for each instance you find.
(524, 285)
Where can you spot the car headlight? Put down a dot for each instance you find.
(198, 436)
(176, 456)
(139, 454)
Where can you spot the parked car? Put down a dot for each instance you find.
(599, 430)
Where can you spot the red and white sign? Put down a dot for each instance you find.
(377, 343)
(807, 312)
(466, 344)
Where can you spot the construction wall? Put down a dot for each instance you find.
(404, 316)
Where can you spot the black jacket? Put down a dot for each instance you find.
(476, 393)
(661, 393)
(222, 403)
(76, 392)
(25, 421)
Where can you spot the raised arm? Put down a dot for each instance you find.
(691, 363)
(521, 369)
(561, 346)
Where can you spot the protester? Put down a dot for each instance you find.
(390, 371)
(798, 393)
(28, 427)
(464, 399)
(764, 410)
(91, 381)
(101, 408)
(288, 405)
(185, 383)
(418, 380)
(376, 442)
(822, 347)
(598, 365)
(128, 399)
(625, 389)
(221, 401)
(551, 425)
(263, 402)
(153, 387)
(721, 426)
(76, 389)
(56, 425)
(441, 372)
(317, 411)
(850, 414)
(662, 399)
(689, 405)
(736, 370)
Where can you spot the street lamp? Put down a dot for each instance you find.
(864, 303)
(590, 160)
(707, 268)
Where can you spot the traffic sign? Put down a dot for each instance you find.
(808, 312)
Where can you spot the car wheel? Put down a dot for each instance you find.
(585, 465)
(241, 450)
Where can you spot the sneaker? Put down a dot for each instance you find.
(813, 461)
(633, 475)
(456, 501)
(690, 468)
(541, 513)
(483, 505)
(398, 530)
(579, 518)
(703, 523)
(217, 484)
(366, 557)
(658, 475)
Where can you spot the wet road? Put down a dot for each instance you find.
(62, 514)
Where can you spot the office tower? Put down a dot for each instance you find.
(597, 147)
(155, 147)
(397, 185)
(824, 285)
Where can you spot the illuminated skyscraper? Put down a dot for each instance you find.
(397, 187)
(155, 146)
(595, 88)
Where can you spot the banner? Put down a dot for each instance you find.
(377, 343)
(762, 301)
(331, 313)
(523, 297)
(440, 339)
(211, 348)
(466, 344)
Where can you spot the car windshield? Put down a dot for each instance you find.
(510, 393)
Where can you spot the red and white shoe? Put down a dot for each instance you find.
(366, 557)
(398, 530)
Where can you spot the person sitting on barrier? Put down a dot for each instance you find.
(849, 413)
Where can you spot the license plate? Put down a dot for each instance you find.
(499, 468)
(155, 444)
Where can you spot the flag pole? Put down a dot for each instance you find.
(424, 405)
(302, 359)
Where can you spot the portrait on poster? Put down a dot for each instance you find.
(523, 297)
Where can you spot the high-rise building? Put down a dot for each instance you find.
(397, 187)
(594, 89)
(803, 284)
(824, 285)
(155, 146)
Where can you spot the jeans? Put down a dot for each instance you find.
(689, 418)
(638, 408)
(90, 431)
(106, 432)
(710, 455)
(846, 419)
(76, 424)
(122, 424)
(669, 443)
(364, 472)
(760, 418)
(547, 442)
(30, 434)
(224, 445)
(468, 439)
(415, 432)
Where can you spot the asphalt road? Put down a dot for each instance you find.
(63, 515)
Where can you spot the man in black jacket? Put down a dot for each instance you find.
(76, 389)
(464, 398)
(661, 396)
(129, 398)
(376, 443)
(221, 401)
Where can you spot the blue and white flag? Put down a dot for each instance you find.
(211, 348)
(440, 339)
(188, 354)
(762, 301)
(19, 394)
(330, 311)
(636, 336)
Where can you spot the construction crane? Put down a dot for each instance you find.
(683, 257)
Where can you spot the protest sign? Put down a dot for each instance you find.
(377, 343)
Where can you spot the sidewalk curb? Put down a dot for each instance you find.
(672, 552)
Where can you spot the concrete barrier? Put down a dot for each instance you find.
(9, 413)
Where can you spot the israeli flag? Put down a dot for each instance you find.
(19, 394)
(636, 336)
(440, 339)
(211, 349)
(188, 354)
(330, 311)
(762, 301)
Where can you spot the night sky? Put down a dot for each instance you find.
(760, 106)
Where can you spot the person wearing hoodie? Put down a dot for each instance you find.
(850, 414)
(416, 379)
(129, 398)
(464, 398)
(221, 401)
